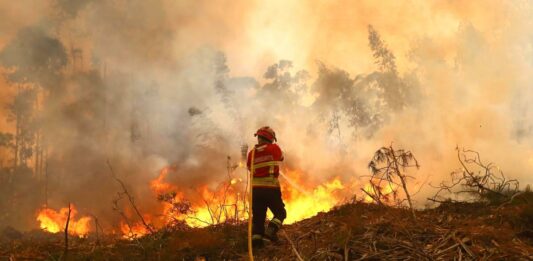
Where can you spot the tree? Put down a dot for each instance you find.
(389, 165)
(21, 111)
(344, 98)
(397, 92)
(384, 57)
(34, 59)
(283, 84)
(6, 141)
(226, 93)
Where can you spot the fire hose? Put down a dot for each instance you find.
(250, 198)
(295, 185)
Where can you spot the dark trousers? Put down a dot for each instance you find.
(264, 198)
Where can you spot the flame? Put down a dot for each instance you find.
(228, 200)
(214, 205)
(219, 205)
(211, 205)
(134, 231)
(158, 185)
(235, 181)
(54, 221)
(301, 204)
(386, 191)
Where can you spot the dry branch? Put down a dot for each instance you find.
(130, 199)
(488, 183)
(388, 165)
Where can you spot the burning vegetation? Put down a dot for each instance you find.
(55, 221)
(494, 220)
(124, 135)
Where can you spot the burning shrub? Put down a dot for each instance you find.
(178, 209)
(55, 221)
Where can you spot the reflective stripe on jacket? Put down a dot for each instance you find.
(267, 158)
(266, 163)
(266, 182)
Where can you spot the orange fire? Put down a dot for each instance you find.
(55, 221)
(211, 206)
(133, 231)
(302, 202)
(158, 185)
(207, 205)
(386, 192)
(228, 200)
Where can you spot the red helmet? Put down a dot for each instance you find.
(267, 133)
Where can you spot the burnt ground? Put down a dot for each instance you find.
(452, 231)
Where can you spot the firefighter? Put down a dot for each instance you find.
(266, 191)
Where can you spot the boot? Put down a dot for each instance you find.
(257, 241)
(271, 232)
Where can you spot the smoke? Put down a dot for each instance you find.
(148, 84)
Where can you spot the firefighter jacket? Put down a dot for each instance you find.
(266, 162)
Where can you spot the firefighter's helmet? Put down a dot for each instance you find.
(267, 133)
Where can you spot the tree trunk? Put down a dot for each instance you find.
(37, 159)
(17, 134)
(65, 251)
(46, 179)
(402, 178)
